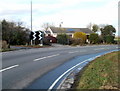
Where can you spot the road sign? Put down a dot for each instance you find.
(37, 35)
(40, 35)
(31, 35)
(34, 35)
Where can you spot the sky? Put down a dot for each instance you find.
(73, 13)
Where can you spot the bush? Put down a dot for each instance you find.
(46, 41)
(109, 39)
(79, 38)
(3, 44)
(77, 42)
(71, 40)
(63, 39)
(94, 38)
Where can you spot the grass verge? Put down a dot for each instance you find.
(101, 73)
(8, 49)
(33, 46)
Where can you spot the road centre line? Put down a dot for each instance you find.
(73, 51)
(77, 51)
(46, 57)
(55, 82)
(99, 49)
(116, 47)
(8, 68)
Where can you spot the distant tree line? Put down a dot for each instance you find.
(14, 33)
(107, 35)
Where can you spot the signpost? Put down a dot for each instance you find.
(37, 35)
(34, 35)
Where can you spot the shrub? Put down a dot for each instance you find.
(46, 41)
(109, 39)
(4, 44)
(62, 39)
(77, 42)
(79, 38)
(94, 38)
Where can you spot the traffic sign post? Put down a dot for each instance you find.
(40, 38)
(37, 35)
(31, 42)
(34, 35)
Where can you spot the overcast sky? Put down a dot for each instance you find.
(73, 13)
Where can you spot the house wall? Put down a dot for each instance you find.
(55, 34)
(51, 33)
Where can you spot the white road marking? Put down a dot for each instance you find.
(117, 47)
(46, 57)
(77, 51)
(74, 52)
(82, 51)
(99, 49)
(8, 68)
(54, 83)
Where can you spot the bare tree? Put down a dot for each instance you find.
(90, 26)
(47, 25)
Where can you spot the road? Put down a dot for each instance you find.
(23, 68)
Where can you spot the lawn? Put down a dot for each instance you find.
(101, 73)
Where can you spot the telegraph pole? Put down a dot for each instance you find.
(31, 20)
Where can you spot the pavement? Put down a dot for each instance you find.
(32, 68)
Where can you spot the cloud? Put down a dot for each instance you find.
(71, 12)
(15, 6)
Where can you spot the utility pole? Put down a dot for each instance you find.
(31, 20)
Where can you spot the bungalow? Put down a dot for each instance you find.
(54, 31)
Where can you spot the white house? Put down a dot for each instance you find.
(54, 31)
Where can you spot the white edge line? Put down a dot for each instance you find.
(54, 83)
(46, 57)
(8, 68)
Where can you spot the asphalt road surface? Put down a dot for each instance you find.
(39, 68)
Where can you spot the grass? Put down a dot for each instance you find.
(102, 73)
(33, 46)
(7, 49)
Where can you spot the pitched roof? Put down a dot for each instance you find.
(70, 30)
